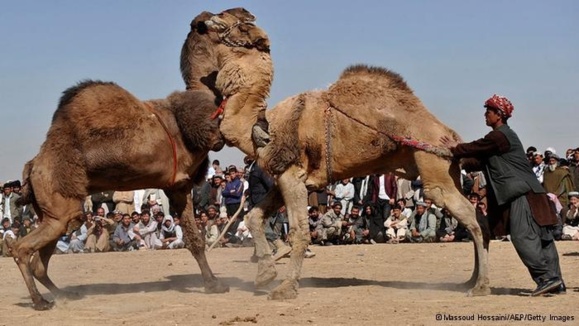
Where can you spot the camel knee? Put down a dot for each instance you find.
(436, 195)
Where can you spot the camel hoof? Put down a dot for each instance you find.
(266, 272)
(216, 287)
(43, 305)
(286, 290)
(479, 291)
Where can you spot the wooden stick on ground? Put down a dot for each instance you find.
(231, 220)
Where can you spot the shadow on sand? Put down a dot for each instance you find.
(193, 283)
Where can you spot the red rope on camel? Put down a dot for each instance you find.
(220, 109)
(171, 140)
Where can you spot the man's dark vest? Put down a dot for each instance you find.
(510, 174)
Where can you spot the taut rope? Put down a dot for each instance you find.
(401, 140)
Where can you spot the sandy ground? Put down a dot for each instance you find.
(405, 284)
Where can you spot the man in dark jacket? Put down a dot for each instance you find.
(515, 194)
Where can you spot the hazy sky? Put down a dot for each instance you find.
(454, 54)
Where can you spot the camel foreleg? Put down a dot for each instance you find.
(293, 188)
(194, 241)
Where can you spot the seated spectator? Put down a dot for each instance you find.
(221, 225)
(145, 231)
(376, 230)
(62, 245)
(571, 226)
(122, 240)
(244, 237)
(26, 227)
(332, 223)
(357, 228)
(403, 208)
(315, 223)
(396, 225)
(79, 236)
(97, 237)
(171, 234)
(9, 235)
(422, 224)
(449, 229)
(210, 230)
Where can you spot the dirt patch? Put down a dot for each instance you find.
(411, 284)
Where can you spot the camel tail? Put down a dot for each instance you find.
(26, 192)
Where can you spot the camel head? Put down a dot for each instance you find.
(237, 33)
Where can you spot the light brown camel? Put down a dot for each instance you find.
(370, 111)
(199, 61)
(103, 138)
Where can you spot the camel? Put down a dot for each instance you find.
(199, 61)
(369, 110)
(104, 138)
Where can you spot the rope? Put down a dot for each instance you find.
(171, 140)
(328, 145)
(220, 109)
(401, 140)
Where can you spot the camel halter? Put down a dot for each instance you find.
(400, 140)
(171, 140)
(220, 109)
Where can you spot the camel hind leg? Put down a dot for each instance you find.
(182, 203)
(293, 188)
(440, 180)
(255, 222)
(57, 212)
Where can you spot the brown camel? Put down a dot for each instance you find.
(103, 138)
(368, 110)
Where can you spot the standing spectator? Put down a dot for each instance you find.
(557, 180)
(121, 238)
(124, 201)
(232, 193)
(381, 193)
(396, 225)
(538, 166)
(422, 224)
(344, 193)
(103, 198)
(404, 192)
(574, 168)
(516, 194)
(215, 190)
(11, 209)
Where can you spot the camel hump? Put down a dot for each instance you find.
(371, 89)
(70, 93)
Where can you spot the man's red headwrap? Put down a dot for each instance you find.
(500, 103)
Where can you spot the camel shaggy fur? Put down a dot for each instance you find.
(103, 138)
(371, 111)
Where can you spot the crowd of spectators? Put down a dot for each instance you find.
(362, 210)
